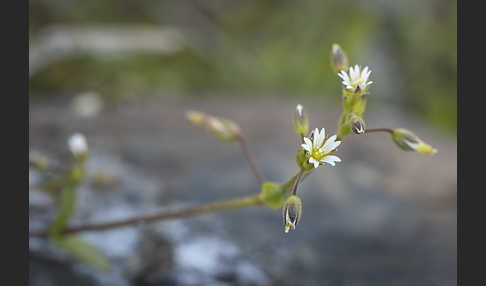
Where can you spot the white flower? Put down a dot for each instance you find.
(356, 79)
(320, 150)
(77, 144)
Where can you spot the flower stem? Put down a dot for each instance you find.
(237, 203)
(369, 130)
(249, 158)
(296, 184)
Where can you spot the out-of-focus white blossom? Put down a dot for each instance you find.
(77, 144)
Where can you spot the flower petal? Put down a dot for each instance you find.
(344, 76)
(314, 161)
(316, 137)
(331, 159)
(308, 141)
(332, 147)
(308, 145)
(365, 73)
(355, 74)
(320, 138)
(305, 147)
(330, 140)
(331, 144)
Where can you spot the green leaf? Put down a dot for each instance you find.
(79, 249)
(272, 195)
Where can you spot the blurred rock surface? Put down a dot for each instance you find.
(381, 217)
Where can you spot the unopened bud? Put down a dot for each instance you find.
(226, 130)
(408, 141)
(358, 125)
(301, 123)
(78, 146)
(291, 212)
(339, 60)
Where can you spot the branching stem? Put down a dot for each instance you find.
(163, 215)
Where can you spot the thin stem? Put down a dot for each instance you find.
(248, 157)
(296, 184)
(369, 130)
(164, 215)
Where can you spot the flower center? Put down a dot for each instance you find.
(318, 154)
(355, 82)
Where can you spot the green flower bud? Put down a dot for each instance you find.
(339, 60)
(358, 125)
(291, 212)
(301, 123)
(408, 141)
(225, 129)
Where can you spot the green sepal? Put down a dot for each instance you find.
(359, 105)
(344, 128)
(301, 126)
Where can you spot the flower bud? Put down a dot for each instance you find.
(408, 141)
(358, 125)
(301, 123)
(78, 146)
(226, 130)
(292, 212)
(339, 61)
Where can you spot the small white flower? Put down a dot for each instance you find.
(320, 150)
(77, 144)
(356, 79)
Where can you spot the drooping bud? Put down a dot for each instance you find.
(358, 126)
(408, 141)
(225, 129)
(78, 146)
(301, 123)
(291, 212)
(339, 60)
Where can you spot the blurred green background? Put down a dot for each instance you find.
(247, 48)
